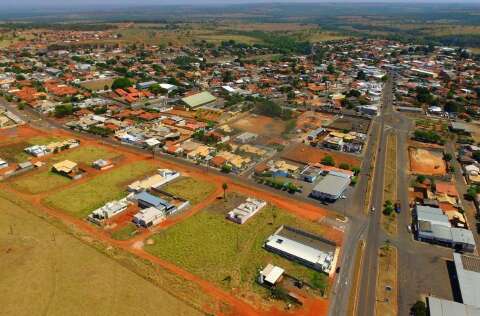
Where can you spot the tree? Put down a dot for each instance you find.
(224, 187)
(226, 168)
(331, 69)
(63, 110)
(476, 155)
(447, 156)
(419, 309)
(361, 75)
(319, 281)
(328, 161)
(388, 208)
(121, 83)
(356, 170)
(421, 178)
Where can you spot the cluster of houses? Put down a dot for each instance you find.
(53, 147)
(152, 205)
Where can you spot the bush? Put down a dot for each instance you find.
(319, 281)
(356, 170)
(226, 168)
(421, 178)
(328, 161)
(63, 110)
(344, 166)
(419, 309)
(388, 208)
(354, 181)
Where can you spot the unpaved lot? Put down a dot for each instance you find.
(427, 162)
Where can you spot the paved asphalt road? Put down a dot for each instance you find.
(366, 294)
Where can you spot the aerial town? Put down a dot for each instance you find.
(240, 179)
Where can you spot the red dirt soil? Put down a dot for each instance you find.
(305, 154)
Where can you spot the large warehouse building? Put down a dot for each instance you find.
(332, 186)
(308, 249)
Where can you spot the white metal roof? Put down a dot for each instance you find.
(299, 250)
(469, 282)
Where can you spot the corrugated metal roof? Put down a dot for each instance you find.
(332, 184)
(199, 99)
(441, 307)
(469, 281)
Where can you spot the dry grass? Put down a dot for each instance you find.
(386, 289)
(389, 223)
(46, 270)
(352, 303)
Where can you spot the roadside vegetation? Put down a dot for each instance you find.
(388, 218)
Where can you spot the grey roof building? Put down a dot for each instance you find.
(308, 249)
(468, 274)
(441, 307)
(433, 226)
(332, 186)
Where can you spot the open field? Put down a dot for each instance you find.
(84, 154)
(227, 253)
(80, 200)
(14, 152)
(46, 270)
(389, 223)
(97, 85)
(386, 288)
(311, 120)
(305, 154)
(190, 189)
(39, 181)
(261, 125)
(45, 180)
(427, 162)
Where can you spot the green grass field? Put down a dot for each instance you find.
(227, 253)
(45, 270)
(38, 182)
(125, 233)
(46, 180)
(84, 198)
(191, 189)
(84, 154)
(43, 140)
(97, 85)
(14, 152)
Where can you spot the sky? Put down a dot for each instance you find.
(76, 3)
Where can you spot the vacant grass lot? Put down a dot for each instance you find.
(97, 85)
(226, 253)
(84, 154)
(41, 181)
(80, 200)
(46, 180)
(125, 233)
(191, 189)
(14, 152)
(45, 270)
